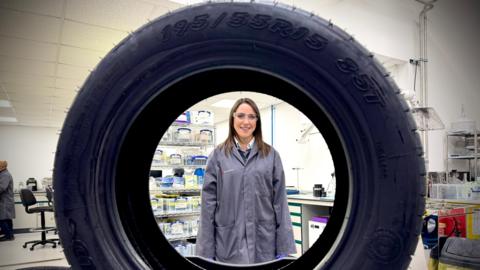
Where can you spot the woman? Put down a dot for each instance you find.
(7, 203)
(244, 217)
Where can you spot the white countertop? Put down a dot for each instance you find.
(308, 198)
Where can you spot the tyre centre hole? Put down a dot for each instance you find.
(180, 160)
(138, 224)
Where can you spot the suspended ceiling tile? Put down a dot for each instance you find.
(45, 7)
(91, 37)
(72, 72)
(59, 111)
(125, 15)
(25, 79)
(19, 65)
(63, 106)
(32, 108)
(63, 101)
(71, 84)
(30, 99)
(65, 92)
(79, 57)
(7, 112)
(16, 89)
(29, 26)
(35, 114)
(27, 49)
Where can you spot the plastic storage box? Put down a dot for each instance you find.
(183, 135)
(199, 160)
(175, 159)
(205, 136)
(201, 117)
(451, 191)
(460, 254)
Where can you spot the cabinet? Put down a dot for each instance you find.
(463, 157)
(304, 207)
(177, 172)
(461, 181)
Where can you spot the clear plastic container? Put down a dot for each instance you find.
(199, 160)
(183, 135)
(205, 136)
(181, 205)
(167, 136)
(175, 159)
(177, 228)
(202, 117)
(158, 158)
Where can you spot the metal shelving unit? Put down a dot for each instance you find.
(184, 214)
(170, 142)
(160, 167)
(464, 150)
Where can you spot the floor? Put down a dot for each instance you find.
(14, 256)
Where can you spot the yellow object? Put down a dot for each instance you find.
(473, 222)
(442, 266)
(190, 181)
(432, 264)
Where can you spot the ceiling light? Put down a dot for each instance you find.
(187, 2)
(8, 119)
(5, 103)
(224, 103)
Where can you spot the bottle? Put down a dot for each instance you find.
(199, 174)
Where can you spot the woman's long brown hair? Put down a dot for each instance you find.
(229, 143)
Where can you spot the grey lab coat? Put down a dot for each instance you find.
(244, 213)
(7, 203)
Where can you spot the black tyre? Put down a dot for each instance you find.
(108, 139)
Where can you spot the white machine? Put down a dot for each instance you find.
(315, 228)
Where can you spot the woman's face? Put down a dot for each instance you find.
(245, 121)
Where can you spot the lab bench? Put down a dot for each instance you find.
(24, 221)
(302, 208)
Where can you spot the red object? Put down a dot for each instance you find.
(452, 222)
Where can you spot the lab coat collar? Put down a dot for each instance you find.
(249, 145)
(253, 152)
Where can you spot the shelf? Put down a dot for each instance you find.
(462, 157)
(171, 238)
(176, 124)
(185, 214)
(186, 144)
(175, 190)
(454, 201)
(159, 167)
(462, 134)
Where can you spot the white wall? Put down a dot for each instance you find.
(386, 27)
(29, 151)
(313, 158)
(454, 67)
(390, 28)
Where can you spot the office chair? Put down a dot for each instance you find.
(49, 192)
(28, 199)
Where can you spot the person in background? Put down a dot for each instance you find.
(7, 203)
(244, 212)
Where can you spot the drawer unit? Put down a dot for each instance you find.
(295, 210)
(298, 245)
(297, 231)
